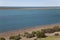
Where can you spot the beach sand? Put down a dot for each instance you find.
(16, 32)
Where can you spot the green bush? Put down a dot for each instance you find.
(29, 35)
(33, 32)
(35, 39)
(40, 34)
(25, 34)
(56, 34)
(2, 38)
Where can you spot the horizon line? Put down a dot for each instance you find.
(29, 6)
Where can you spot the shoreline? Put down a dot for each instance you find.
(28, 8)
(31, 9)
(30, 29)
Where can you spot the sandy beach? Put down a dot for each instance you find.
(16, 32)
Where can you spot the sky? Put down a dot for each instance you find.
(29, 3)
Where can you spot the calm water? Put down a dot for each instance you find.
(18, 19)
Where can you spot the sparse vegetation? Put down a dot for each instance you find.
(40, 34)
(56, 28)
(2, 38)
(15, 37)
(35, 39)
(33, 32)
(29, 35)
(37, 34)
(51, 30)
(56, 34)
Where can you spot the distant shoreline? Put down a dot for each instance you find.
(27, 8)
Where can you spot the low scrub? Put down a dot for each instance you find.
(51, 30)
(15, 37)
(2, 38)
(56, 34)
(29, 35)
(40, 34)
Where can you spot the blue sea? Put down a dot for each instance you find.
(19, 19)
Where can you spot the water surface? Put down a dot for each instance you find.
(19, 19)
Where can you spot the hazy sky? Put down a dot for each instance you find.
(29, 2)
